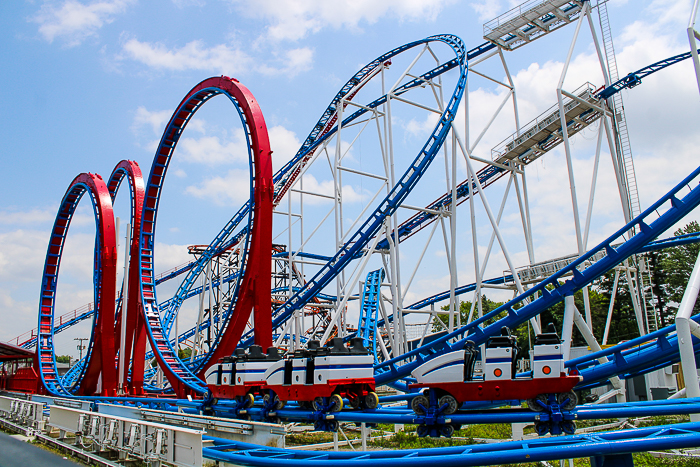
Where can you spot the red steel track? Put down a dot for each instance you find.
(254, 293)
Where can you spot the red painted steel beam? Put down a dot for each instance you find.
(135, 343)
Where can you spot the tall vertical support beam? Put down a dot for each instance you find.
(565, 134)
(621, 182)
(338, 203)
(454, 306)
(686, 328)
(123, 358)
(585, 15)
(567, 327)
(612, 305)
(211, 304)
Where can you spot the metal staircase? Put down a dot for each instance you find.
(625, 162)
(622, 141)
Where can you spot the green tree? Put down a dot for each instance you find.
(674, 266)
(63, 358)
(487, 305)
(184, 354)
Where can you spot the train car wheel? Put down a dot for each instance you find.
(279, 403)
(537, 404)
(248, 401)
(317, 404)
(451, 402)
(372, 400)
(420, 404)
(447, 430)
(542, 428)
(569, 427)
(336, 403)
(422, 430)
(333, 425)
(266, 400)
(567, 400)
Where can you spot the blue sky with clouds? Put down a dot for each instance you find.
(85, 84)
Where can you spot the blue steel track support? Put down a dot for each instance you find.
(550, 290)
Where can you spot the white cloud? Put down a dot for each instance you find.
(486, 9)
(194, 55)
(232, 189)
(35, 216)
(292, 63)
(168, 256)
(284, 144)
(155, 119)
(211, 150)
(490, 9)
(294, 19)
(187, 3)
(419, 128)
(22, 254)
(75, 21)
(221, 58)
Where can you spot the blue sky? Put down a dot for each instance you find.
(87, 84)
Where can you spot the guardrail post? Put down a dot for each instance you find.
(686, 328)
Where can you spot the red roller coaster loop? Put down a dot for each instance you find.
(99, 375)
(254, 292)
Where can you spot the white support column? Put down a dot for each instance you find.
(454, 303)
(621, 181)
(692, 35)
(567, 149)
(567, 327)
(612, 305)
(125, 294)
(211, 332)
(475, 246)
(565, 136)
(686, 327)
